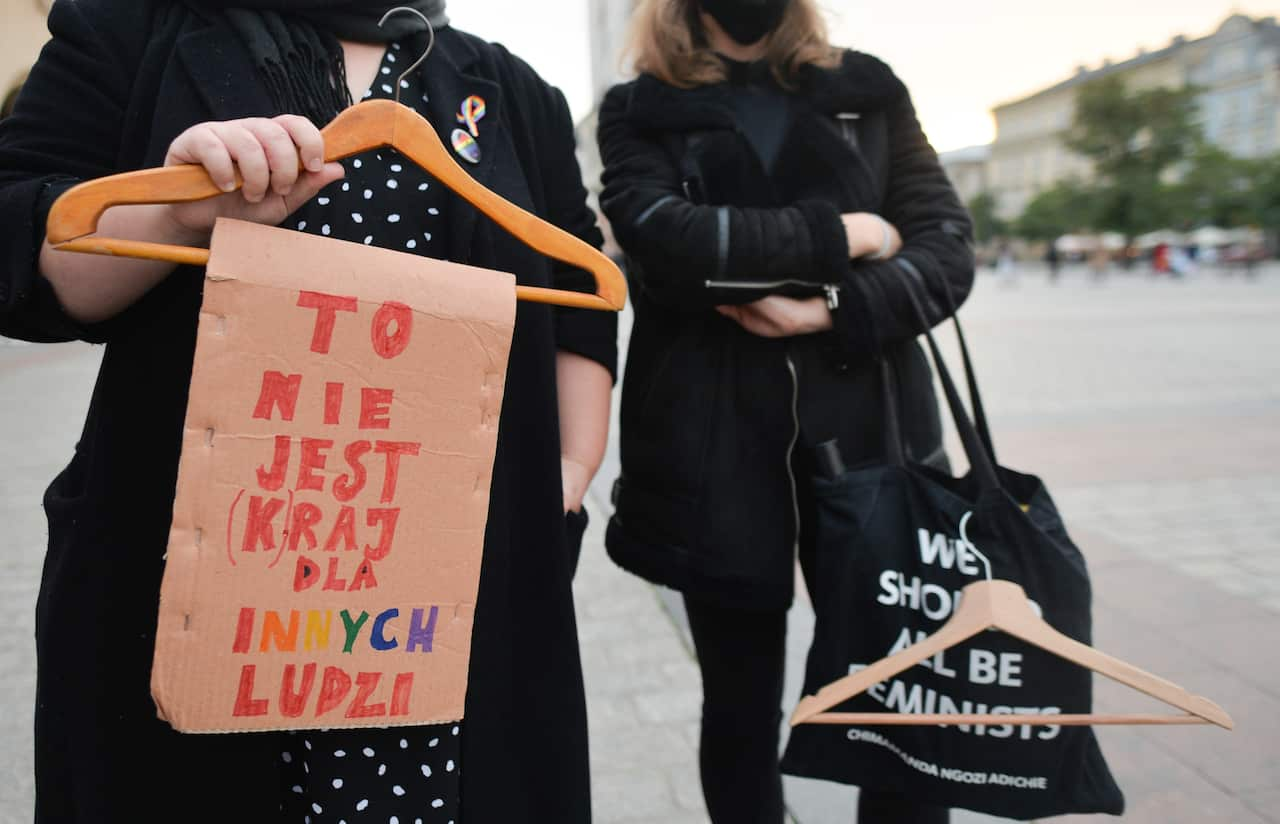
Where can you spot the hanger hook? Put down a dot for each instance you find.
(430, 44)
(969, 544)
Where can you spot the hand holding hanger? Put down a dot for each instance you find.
(280, 161)
(74, 218)
(365, 126)
(275, 159)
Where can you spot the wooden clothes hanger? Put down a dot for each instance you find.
(1002, 605)
(991, 604)
(369, 125)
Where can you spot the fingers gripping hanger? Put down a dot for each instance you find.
(1002, 605)
(369, 125)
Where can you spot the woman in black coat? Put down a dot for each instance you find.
(128, 85)
(776, 199)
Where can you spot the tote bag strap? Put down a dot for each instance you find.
(894, 453)
(975, 397)
(981, 462)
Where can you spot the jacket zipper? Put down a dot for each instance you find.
(791, 448)
(761, 284)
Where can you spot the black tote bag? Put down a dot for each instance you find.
(896, 543)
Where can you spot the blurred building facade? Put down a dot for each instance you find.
(22, 34)
(609, 22)
(1237, 69)
(968, 170)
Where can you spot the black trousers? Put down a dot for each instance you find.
(742, 656)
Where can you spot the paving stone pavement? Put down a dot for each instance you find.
(642, 694)
(1148, 406)
(44, 394)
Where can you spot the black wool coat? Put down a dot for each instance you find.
(116, 84)
(717, 424)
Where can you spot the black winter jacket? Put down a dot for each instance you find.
(120, 80)
(716, 420)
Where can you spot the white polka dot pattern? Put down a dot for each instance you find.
(399, 776)
(383, 201)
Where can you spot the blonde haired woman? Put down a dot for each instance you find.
(776, 199)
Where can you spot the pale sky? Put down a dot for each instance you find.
(958, 58)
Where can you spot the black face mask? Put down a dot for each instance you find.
(746, 21)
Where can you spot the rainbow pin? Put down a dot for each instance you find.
(465, 145)
(470, 113)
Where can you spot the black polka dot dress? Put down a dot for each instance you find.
(402, 775)
(406, 775)
(385, 199)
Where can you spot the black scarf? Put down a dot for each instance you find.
(294, 44)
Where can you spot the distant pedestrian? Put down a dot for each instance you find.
(1180, 263)
(1209, 258)
(1127, 256)
(777, 200)
(1006, 264)
(1255, 253)
(1099, 262)
(1160, 258)
(1053, 260)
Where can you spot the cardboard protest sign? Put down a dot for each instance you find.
(333, 490)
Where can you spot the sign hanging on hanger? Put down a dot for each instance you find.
(324, 556)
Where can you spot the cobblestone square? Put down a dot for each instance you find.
(1151, 409)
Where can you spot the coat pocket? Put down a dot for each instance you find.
(62, 502)
(64, 509)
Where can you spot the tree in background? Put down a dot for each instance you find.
(1135, 140)
(986, 225)
(1265, 195)
(1152, 170)
(1062, 209)
(1218, 189)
